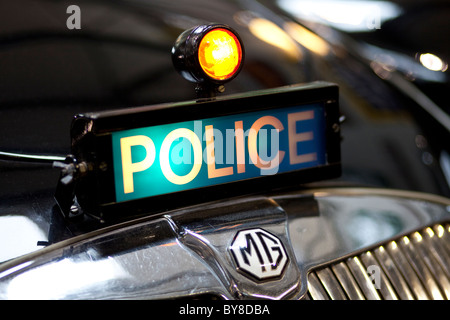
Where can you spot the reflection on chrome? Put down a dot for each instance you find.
(391, 61)
(21, 242)
(15, 269)
(307, 38)
(444, 161)
(346, 15)
(432, 62)
(53, 281)
(441, 231)
(269, 32)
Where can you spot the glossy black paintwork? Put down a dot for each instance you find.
(121, 58)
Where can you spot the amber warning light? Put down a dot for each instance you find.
(209, 55)
(220, 54)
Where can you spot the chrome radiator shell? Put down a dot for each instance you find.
(332, 237)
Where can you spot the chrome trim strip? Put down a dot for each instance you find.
(420, 98)
(10, 156)
(390, 193)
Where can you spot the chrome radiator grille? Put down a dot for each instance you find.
(416, 266)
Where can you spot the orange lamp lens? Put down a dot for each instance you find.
(220, 54)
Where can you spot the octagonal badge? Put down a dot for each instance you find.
(259, 253)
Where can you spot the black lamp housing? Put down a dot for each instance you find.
(185, 55)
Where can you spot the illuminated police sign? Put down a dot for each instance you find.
(175, 157)
(152, 158)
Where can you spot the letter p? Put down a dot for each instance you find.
(128, 167)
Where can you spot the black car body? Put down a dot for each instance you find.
(383, 222)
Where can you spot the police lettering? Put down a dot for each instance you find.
(243, 141)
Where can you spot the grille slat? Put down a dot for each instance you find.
(407, 271)
(435, 235)
(412, 267)
(384, 286)
(419, 266)
(361, 276)
(445, 237)
(315, 289)
(347, 281)
(393, 274)
(439, 278)
(331, 284)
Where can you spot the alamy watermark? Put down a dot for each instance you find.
(374, 273)
(263, 147)
(74, 20)
(370, 17)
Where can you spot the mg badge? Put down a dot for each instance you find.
(259, 253)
